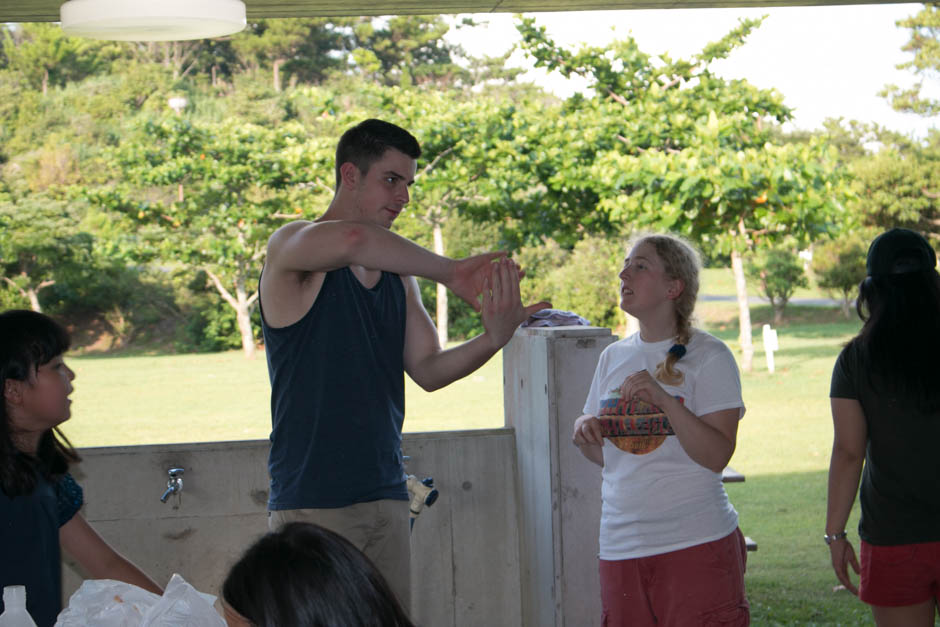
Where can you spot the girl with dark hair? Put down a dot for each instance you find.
(39, 499)
(885, 402)
(303, 575)
(661, 419)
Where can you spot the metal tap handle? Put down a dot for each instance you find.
(174, 484)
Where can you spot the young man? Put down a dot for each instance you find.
(342, 321)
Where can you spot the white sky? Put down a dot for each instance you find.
(826, 61)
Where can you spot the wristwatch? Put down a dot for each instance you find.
(836, 536)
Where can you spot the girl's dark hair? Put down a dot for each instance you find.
(303, 575)
(900, 339)
(365, 143)
(29, 340)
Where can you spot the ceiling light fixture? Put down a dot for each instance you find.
(152, 20)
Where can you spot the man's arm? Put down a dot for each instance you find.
(502, 312)
(302, 247)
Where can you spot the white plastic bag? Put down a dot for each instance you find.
(181, 604)
(108, 603)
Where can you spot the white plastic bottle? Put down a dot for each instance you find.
(14, 608)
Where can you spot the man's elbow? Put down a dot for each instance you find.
(354, 237)
(430, 384)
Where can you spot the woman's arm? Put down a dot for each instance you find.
(850, 436)
(98, 558)
(709, 440)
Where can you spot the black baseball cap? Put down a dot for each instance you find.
(899, 251)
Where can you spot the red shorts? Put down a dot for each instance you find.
(701, 585)
(895, 576)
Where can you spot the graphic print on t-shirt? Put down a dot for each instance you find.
(633, 425)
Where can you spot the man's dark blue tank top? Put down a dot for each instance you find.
(338, 396)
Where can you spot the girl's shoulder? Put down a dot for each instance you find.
(706, 346)
(704, 338)
(69, 497)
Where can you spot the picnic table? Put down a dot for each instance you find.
(730, 475)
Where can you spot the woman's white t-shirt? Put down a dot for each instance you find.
(663, 501)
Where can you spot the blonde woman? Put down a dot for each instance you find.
(661, 419)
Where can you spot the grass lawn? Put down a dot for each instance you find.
(783, 445)
(721, 281)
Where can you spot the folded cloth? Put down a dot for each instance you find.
(555, 318)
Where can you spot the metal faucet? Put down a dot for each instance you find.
(174, 484)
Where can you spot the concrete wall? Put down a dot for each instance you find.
(465, 548)
(507, 543)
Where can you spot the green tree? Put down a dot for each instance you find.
(924, 44)
(666, 144)
(586, 283)
(839, 265)
(308, 48)
(215, 192)
(901, 187)
(406, 50)
(45, 56)
(40, 242)
(778, 271)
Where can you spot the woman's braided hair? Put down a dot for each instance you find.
(681, 261)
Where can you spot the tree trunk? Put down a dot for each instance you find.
(744, 312)
(241, 302)
(33, 296)
(277, 74)
(441, 290)
(778, 313)
(243, 316)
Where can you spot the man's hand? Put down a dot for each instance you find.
(469, 275)
(503, 310)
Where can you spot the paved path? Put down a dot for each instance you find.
(758, 300)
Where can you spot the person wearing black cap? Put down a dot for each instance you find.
(885, 397)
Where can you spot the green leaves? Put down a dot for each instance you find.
(924, 44)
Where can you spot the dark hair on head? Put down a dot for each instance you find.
(365, 143)
(900, 339)
(303, 575)
(29, 340)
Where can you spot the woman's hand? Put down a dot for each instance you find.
(588, 438)
(587, 430)
(843, 555)
(643, 386)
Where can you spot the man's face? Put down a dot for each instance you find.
(382, 192)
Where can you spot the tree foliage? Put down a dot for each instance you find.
(666, 144)
(924, 44)
(839, 265)
(778, 272)
(187, 200)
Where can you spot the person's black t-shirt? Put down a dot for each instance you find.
(899, 495)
